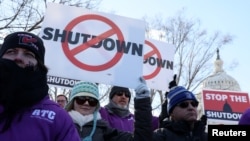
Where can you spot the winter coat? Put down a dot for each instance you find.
(179, 131)
(45, 121)
(142, 125)
(123, 123)
(115, 121)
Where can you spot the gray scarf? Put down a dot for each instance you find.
(114, 109)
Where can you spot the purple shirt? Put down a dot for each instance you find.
(45, 121)
(123, 123)
(120, 123)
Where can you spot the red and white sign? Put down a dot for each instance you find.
(225, 105)
(158, 64)
(93, 46)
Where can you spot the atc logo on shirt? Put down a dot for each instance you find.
(47, 115)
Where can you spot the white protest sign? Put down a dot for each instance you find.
(93, 46)
(158, 64)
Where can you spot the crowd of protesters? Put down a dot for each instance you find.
(27, 113)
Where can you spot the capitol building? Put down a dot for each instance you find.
(220, 81)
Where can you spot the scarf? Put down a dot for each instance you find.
(115, 109)
(21, 88)
(80, 119)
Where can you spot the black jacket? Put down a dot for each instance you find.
(179, 131)
(143, 129)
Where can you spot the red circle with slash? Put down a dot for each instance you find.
(71, 53)
(151, 53)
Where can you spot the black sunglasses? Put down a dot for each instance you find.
(120, 93)
(82, 99)
(185, 104)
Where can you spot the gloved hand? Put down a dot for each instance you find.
(142, 90)
(172, 83)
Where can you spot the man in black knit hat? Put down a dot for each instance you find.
(26, 112)
(117, 112)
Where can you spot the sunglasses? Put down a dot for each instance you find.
(186, 104)
(121, 93)
(82, 99)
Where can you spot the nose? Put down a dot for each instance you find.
(19, 57)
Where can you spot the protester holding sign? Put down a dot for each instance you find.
(117, 112)
(183, 124)
(84, 106)
(26, 112)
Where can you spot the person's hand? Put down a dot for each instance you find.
(142, 90)
(172, 83)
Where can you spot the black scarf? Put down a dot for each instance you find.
(20, 88)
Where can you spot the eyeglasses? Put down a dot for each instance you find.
(120, 93)
(186, 104)
(82, 99)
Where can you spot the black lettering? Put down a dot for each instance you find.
(48, 35)
(60, 35)
(70, 38)
(85, 37)
(96, 41)
(109, 44)
(151, 61)
(137, 49)
(121, 46)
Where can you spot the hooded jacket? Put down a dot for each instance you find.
(45, 121)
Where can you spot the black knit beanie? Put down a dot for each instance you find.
(24, 40)
(117, 89)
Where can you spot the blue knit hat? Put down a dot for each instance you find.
(84, 89)
(177, 95)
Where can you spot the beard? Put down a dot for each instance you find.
(20, 88)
